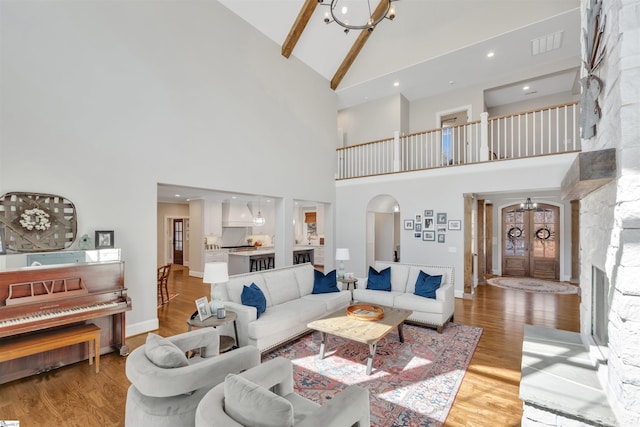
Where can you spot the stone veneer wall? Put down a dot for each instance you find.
(610, 216)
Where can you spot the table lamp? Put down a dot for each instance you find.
(215, 273)
(342, 254)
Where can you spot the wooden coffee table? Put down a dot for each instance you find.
(367, 332)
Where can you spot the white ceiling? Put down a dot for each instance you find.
(432, 43)
(430, 48)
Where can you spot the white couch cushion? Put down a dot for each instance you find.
(304, 277)
(399, 273)
(414, 271)
(285, 316)
(236, 284)
(375, 297)
(417, 303)
(333, 301)
(282, 285)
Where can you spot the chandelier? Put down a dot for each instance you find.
(528, 205)
(357, 14)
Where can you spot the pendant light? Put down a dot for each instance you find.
(259, 220)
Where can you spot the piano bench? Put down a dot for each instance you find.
(51, 340)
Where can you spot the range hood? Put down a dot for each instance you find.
(236, 215)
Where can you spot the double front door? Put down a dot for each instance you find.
(530, 242)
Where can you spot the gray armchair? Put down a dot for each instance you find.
(263, 396)
(166, 387)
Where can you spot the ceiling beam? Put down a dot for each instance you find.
(298, 27)
(357, 47)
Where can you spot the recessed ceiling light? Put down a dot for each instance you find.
(177, 195)
(396, 84)
(451, 82)
(525, 88)
(490, 55)
(234, 197)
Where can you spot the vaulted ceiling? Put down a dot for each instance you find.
(431, 47)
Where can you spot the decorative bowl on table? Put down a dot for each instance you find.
(366, 312)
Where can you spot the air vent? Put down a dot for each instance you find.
(533, 92)
(546, 43)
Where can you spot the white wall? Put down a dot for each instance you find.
(424, 111)
(442, 191)
(533, 104)
(373, 120)
(103, 100)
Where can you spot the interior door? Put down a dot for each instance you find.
(530, 242)
(178, 241)
(545, 254)
(452, 140)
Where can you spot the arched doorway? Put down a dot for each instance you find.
(531, 242)
(383, 229)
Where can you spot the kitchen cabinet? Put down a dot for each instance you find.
(212, 216)
(318, 252)
(219, 255)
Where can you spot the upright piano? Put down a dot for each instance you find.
(45, 298)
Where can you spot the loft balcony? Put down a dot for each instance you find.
(546, 131)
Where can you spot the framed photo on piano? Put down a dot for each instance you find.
(104, 239)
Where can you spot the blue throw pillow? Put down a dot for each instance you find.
(427, 285)
(323, 284)
(253, 296)
(379, 280)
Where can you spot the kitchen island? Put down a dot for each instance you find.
(240, 261)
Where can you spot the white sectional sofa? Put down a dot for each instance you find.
(290, 305)
(431, 312)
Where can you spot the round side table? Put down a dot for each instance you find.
(353, 281)
(226, 342)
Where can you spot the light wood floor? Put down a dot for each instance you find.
(77, 396)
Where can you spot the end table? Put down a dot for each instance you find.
(226, 343)
(345, 281)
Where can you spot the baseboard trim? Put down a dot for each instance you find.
(142, 327)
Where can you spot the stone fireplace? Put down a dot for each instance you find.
(609, 242)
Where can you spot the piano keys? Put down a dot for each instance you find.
(45, 298)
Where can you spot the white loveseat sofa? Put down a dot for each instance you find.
(290, 304)
(431, 312)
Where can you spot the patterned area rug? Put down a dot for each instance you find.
(412, 383)
(528, 284)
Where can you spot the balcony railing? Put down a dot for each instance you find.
(550, 130)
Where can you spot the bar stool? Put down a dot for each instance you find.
(304, 257)
(258, 264)
(271, 262)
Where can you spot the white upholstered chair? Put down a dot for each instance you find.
(264, 396)
(166, 387)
